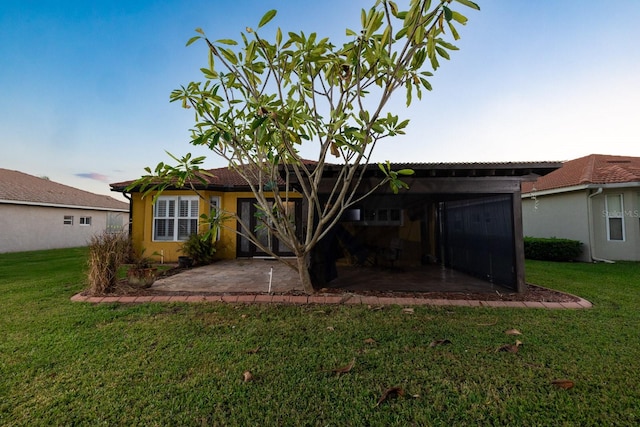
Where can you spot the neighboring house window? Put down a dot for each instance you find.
(175, 218)
(615, 217)
(68, 220)
(85, 220)
(114, 223)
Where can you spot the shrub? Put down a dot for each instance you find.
(551, 249)
(107, 252)
(200, 247)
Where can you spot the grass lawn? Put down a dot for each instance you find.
(64, 363)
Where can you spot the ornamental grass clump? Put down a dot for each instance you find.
(107, 252)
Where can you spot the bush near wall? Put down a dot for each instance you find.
(551, 249)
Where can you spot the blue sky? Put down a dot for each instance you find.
(85, 84)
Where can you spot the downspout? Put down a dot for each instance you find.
(589, 218)
(126, 196)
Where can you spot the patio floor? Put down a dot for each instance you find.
(257, 275)
(248, 280)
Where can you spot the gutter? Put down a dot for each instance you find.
(589, 211)
(579, 188)
(128, 197)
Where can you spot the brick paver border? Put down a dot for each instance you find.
(329, 299)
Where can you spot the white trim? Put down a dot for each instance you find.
(176, 217)
(617, 185)
(56, 205)
(620, 216)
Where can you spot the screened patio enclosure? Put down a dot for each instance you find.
(465, 217)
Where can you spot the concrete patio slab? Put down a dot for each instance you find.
(249, 281)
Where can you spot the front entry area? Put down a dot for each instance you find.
(249, 214)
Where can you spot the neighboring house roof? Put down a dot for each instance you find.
(593, 169)
(21, 188)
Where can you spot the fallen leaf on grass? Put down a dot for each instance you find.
(330, 328)
(247, 376)
(369, 341)
(389, 393)
(408, 310)
(564, 384)
(436, 343)
(512, 332)
(344, 369)
(511, 348)
(376, 308)
(488, 324)
(253, 350)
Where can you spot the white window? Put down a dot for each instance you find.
(615, 217)
(175, 218)
(68, 220)
(85, 220)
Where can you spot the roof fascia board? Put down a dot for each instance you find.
(54, 205)
(580, 188)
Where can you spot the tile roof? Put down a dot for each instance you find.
(591, 169)
(20, 187)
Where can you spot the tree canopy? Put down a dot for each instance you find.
(264, 98)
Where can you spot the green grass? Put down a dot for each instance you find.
(64, 363)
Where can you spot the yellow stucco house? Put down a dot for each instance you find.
(458, 216)
(161, 226)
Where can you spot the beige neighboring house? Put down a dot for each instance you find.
(36, 213)
(594, 199)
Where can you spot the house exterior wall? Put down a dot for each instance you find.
(627, 249)
(566, 215)
(142, 224)
(32, 227)
(562, 215)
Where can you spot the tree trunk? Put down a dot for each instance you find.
(305, 275)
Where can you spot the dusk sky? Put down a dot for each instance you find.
(85, 84)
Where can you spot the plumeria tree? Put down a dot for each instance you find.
(263, 99)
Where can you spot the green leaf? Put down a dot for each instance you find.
(406, 172)
(377, 127)
(426, 84)
(193, 39)
(229, 55)
(267, 17)
(229, 42)
(400, 34)
(278, 36)
(448, 15)
(394, 8)
(459, 18)
(199, 30)
(442, 52)
(454, 32)
(469, 3)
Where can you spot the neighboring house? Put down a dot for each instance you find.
(464, 216)
(594, 199)
(36, 213)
